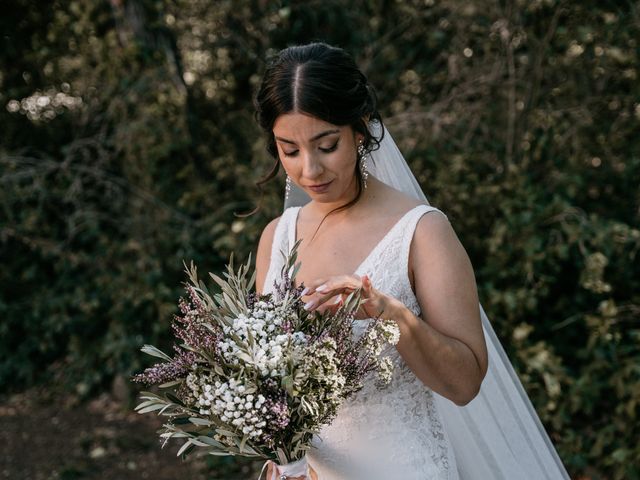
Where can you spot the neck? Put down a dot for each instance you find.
(368, 194)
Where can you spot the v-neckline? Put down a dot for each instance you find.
(294, 235)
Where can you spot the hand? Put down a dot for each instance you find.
(270, 473)
(337, 288)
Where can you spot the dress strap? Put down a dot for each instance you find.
(282, 237)
(409, 228)
(292, 216)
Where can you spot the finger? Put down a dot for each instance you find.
(309, 291)
(330, 308)
(330, 302)
(329, 288)
(331, 284)
(324, 299)
(311, 287)
(340, 282)
(315, 302)
(366, 283)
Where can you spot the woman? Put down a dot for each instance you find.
(357, 230)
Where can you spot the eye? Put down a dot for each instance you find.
(290, 154)
(332, 148)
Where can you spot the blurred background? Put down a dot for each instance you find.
(127, 145)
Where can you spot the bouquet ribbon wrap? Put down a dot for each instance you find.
(289, 470)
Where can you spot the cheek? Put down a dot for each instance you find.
(346, 161)
(289, 165)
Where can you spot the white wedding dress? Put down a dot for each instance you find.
(407, 431)
(381, 434)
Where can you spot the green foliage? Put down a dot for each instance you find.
(519, 118)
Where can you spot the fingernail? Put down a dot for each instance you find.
(338, 300)
(304, 292)
(308, 305)
(322, 288)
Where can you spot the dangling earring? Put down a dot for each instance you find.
(287, 188)
(362, 153)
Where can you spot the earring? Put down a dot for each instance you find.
(287, 188)
(362, 154)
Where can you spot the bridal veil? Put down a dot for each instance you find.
(498, 435)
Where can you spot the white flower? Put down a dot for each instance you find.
(385, 371)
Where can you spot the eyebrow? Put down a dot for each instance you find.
(312, 139)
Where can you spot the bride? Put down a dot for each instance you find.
(455, 408)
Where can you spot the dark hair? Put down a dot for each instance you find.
(322, 81)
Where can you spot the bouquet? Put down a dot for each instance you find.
(258, 375)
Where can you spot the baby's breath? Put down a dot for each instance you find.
(258, 375)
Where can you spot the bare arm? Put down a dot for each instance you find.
(263, 256)
(445, 348)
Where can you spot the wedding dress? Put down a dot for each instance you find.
(407, 431)
(394, 432)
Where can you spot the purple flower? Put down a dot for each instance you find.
(189, 327)
(278, 414)
(278, 417)
(177, 368)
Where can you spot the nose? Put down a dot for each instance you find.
(311, 166)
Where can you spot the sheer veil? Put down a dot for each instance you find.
(498, 435)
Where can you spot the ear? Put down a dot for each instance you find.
(365, 119)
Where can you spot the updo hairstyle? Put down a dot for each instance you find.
(322, 81)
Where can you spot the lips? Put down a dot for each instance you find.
(321, 187)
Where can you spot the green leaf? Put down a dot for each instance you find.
(152, 408)
(200, 421)
(287, 384)
(170, 384)
(154, 352)
(146, 403)
(221, 454)
(186, 448)
(210, 441)
(243, 443)
(174, 399)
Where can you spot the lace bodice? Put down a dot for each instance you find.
(390, 433)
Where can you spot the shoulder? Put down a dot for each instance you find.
(269, 230)
(433, 224)
(434, 238)
(263, 255)
(434, 241)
